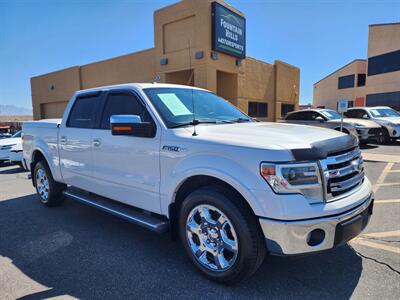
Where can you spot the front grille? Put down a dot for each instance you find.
(375, 131)
(343, 172)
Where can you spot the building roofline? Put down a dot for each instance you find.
(384, 24)
(353, 61)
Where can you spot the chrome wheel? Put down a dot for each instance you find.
(42, 185)
(212, 238)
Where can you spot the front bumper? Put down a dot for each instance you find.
(317, 234)
(369, 134)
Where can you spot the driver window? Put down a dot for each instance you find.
(123, 104)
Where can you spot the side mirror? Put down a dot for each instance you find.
(319, 119)
(131, 125)
(365, 116)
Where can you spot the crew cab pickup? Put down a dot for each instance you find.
(181, 159)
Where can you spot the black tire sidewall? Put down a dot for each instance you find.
(243, 263)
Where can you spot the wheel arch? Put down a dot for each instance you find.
(193, 183)
(38, 155)
(345, 130)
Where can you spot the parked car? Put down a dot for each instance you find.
(6, 145)
(383, 115)
(16, 155)
(178, 158)
(5, 135)
(366, 130)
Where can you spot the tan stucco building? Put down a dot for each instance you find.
(268, 90)
(366, 82)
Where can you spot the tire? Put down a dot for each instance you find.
(386, 136)
(246, 244)
(49, 191)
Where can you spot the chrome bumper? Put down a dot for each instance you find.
(294, 237)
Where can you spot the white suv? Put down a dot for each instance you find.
(383, 115)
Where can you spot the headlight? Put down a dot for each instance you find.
(302, 178)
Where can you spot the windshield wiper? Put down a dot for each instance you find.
(194, 122)
(237, 120)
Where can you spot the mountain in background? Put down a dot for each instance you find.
(12, 110)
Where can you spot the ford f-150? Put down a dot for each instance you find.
(181, 159)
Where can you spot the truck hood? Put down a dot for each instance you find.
(274, 136)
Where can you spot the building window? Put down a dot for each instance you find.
(345, 82)
(391, 99)
(258, 109)
(361, 79)
(384, 63)
(286, 108)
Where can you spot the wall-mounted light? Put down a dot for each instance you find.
(52, 87)
(214, 55)
(238, 62)
(199, 54)
(164, 61)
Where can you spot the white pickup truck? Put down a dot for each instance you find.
(177, 158)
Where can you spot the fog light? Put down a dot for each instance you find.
(315, 237)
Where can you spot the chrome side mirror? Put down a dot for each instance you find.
(131, 125)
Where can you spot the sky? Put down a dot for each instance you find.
(38, 37)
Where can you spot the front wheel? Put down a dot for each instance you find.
(48, 190)
(221, 235)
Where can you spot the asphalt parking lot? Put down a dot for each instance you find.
(77, 251)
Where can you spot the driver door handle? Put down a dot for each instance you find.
(96, 142)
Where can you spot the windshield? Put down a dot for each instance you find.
(331, 114)
(17, 135)
(175, 105)
(383, 112)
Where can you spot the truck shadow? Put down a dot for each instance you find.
(79, 251)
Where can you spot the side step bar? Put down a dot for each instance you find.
(156, 223)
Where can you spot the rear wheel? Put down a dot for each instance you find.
(49, 191)
(220, 235)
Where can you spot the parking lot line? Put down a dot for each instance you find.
(382, 234)
(387, 201)
(382, 177)
(361, 241)
(394, 171)
(387, 184)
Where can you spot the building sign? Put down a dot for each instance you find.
(228, 31)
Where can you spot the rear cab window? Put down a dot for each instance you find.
(83, 112)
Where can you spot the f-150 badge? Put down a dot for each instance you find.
(173, 148)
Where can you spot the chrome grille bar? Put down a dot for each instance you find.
(342, 173)
(330, 160)
(344, 185)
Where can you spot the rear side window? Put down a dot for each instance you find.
(303, 116)
(123, 104)
(83, 112)
(293, 116)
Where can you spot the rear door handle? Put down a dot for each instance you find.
(96, 142)
(63, 139)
